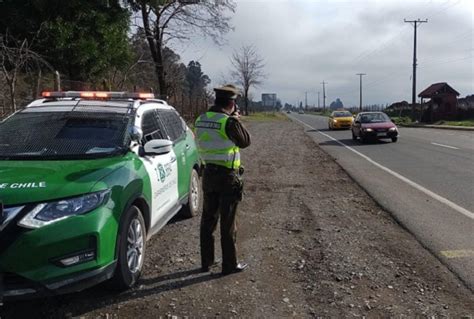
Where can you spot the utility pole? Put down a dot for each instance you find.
(360, 88)
(306, 101)
(324, 96)
(413, 93)
(318, 101)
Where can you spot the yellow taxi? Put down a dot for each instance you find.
(340, 119)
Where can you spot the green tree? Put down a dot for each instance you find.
(81, 39)
(142, 69)
(168, 20)
(196, 82)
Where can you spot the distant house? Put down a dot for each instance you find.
(466, 103)
(442, 104)
(402, 108)
(399, 106)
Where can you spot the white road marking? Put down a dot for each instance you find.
(433, 195)
(447, 146)
(460, 253)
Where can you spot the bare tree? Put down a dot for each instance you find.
(16, 57)
(168, 20)
(247, 70)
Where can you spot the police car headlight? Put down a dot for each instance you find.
(335, 121)
(392, 129)
(47, 213)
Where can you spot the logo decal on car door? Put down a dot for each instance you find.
(160, 171)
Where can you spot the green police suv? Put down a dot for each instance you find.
(85, 179)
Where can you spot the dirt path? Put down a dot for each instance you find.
(317, 245)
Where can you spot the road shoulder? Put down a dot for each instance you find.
(317, 245)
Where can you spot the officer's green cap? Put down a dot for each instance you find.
(228, 91)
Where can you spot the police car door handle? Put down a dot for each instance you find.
(173, 159)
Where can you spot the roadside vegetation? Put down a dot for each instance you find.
(469, 122)
(265, 116)
(401, 120)
(72, 45)
(405, 120)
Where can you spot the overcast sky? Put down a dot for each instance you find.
(305, 42)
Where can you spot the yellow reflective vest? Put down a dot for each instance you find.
(214, 145)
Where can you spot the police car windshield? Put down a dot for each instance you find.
(63, 135)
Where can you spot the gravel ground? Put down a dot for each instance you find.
(316, 243)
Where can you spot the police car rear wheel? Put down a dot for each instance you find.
(131, 254)
(193, 207)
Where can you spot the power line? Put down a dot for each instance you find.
(367, 53)
(382, 46)
(432, 65)
(394, 75)
(400, 73)
(435, 60)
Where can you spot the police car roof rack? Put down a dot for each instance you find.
(156, 101)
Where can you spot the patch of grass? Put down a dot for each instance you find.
(469, 122)
(401, 120)
(265, 116)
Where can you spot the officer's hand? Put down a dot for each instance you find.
(236, 115)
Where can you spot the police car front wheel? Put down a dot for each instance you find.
(132, 246)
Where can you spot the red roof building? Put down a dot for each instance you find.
(442, 104)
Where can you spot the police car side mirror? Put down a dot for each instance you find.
(157, 147)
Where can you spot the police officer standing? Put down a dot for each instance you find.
(220, 135)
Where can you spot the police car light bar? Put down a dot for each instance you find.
(97, 94)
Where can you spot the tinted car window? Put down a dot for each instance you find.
(342, 114)
(374, 118)
(151, 127)
(173, 123)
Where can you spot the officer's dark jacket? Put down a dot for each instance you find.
(234, 130)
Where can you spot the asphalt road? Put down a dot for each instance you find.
(426, 180)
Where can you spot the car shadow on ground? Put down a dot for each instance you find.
(80, 303)
(352, 143)
(148, 287)
(319, 130)
(329, 130)
(177, 219)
